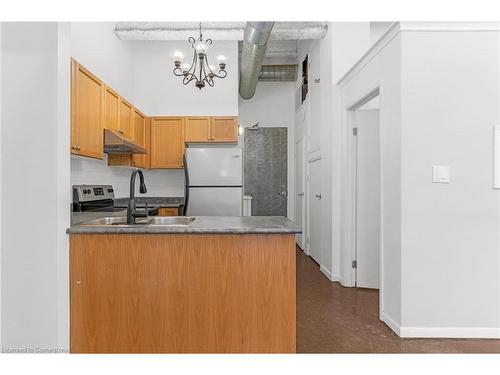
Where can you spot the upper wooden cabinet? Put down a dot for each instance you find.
(87, 112)
(141, 137)
(224, 129)
(126, 119)
(211, 129)
(198, 129)
(111, 109)
(167, 142)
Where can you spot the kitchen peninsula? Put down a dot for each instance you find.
(210, 285)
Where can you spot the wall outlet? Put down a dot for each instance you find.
(441, 174)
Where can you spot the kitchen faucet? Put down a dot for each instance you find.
(132, 213)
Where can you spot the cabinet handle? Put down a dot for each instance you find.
(318, 196)
(120, 131)
(75, 147)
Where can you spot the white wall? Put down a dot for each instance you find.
(450, 232)
(383, 70)
(33, 171)
(95, 45)
(439, 95)
(159, 92)
(343, 44)
(160, 183)
(273, 105)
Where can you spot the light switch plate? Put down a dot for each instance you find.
(441, 174)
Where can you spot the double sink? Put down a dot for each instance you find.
(153, 221)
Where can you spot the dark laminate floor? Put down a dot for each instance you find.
(334, 319)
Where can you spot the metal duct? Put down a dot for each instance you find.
(278, 73)
(254, 48)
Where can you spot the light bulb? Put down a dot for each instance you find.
(201, 47)
(178, 56)
(221, 59)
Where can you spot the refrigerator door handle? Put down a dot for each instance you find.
(186, 186)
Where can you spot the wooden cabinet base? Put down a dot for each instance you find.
(182, 293)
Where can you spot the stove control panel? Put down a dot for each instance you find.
(88, 193)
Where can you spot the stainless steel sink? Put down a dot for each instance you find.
(170, 220)
(153, 220)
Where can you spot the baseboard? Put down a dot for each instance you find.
(451, 332)
(391, 323)
(327, 273)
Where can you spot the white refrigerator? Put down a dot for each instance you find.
(214, 181)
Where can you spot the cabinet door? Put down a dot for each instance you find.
(198, 129)
(141, 137)
(126, 125)
(168, 211)
(224, 129)
(111, 109)
(167, 142)
(87, 112)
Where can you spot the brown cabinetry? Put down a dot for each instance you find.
(111, 109)
(168, 211)
(224, 129)
(87, 114)
(126, 122)
(198, 129)
(142, 135)
(167, 142)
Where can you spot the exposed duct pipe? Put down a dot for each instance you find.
(278, 73)
(254, 48)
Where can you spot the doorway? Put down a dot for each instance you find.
(266, 170)
(365, 122)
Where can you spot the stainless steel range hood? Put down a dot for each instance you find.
(116, 143)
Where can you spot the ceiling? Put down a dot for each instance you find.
(215, 30)
(282, 47)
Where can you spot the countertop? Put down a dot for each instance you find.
(153, 202)
(202, 224)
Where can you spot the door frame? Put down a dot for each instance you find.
(309, 160)
(351, 191)
(304, 188)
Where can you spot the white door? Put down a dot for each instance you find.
(314, 210)
(300, 190)
(210, 166)
(368, 199)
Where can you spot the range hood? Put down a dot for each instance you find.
(116, 143)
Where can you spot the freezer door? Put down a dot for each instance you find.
(214, 166)
(215, 201)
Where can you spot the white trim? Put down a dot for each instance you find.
(327, 273)
(398, 27)
(391, 323)
(451, 332)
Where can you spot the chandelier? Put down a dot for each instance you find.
(200, 71)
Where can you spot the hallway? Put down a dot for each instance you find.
(334, 319)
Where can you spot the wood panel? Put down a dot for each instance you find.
(198, 129)
(224, 129)
(201, 293)
(168, 211)
(167, 142)
(141, 136)
(126, 122)
(111, 109)
(87, 112)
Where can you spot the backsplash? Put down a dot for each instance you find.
(160, 183)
